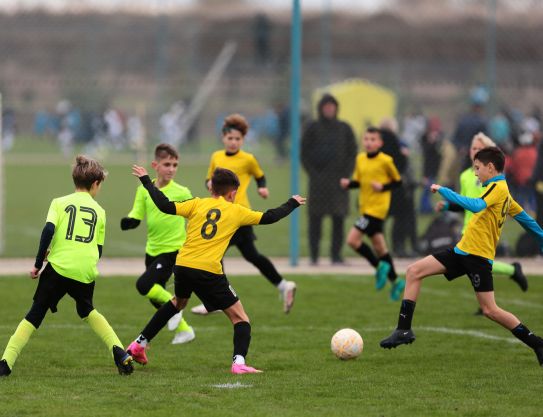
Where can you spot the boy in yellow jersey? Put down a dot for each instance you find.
(75, 228)
(165, 235)
(211, 224)
(470, 186)
(474, 254)
(375, 174)
(245, 166)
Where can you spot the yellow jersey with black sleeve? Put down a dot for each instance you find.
(490, 210)
(165, 233)
(211, 224)
(374, 168)
(243, 164)
(80, 226)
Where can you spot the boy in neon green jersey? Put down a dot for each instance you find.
(470, 186)
(165, 236)
(75, 228)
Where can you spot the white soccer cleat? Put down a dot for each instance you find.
(174, 321)
(288, 294)
(183, 336)
(199, 309)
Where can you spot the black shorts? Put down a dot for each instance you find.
(213, 290)
(478, 269)
(369, 225)
(52, 287)
(243, 234)
(160, 267)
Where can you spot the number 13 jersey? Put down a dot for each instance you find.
(80, 226)
(483, 230)
(211, 224)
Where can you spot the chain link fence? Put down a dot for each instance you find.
(122, 82)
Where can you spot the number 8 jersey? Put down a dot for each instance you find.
(80, 226)
(211, 224)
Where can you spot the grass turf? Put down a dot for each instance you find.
(36, 173)
(460, 365)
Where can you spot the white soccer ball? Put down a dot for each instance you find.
(347, 344)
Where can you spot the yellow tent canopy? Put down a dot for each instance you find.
(361, 103)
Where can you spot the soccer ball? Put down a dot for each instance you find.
(347, 344)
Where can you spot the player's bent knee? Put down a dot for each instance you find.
(413, 272)
(144, 285)
(179, 303)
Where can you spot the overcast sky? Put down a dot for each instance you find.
(58, 5)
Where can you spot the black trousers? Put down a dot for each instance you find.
(315, 234)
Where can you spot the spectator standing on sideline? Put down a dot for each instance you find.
(402, 206)
(328, 153)
(469, 124)
(431, 153)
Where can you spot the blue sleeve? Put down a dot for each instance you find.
(530, 225)
(474, 205)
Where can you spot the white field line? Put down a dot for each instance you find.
(230, 385)
(477, 334)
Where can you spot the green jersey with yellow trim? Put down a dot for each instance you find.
(80, 226)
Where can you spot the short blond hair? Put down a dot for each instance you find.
(86, 171)
(484, 139)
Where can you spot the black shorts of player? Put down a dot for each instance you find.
(52, 287)
(213, 290)
(160, 267)
(242, 235)
(478, 269)
(369, 225)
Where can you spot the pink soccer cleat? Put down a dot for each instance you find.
(137, 352)
(244, 369)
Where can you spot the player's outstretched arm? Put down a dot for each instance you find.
(276, 214)
(45, 240)
(530, 225)
(474, 205)
(158, 197)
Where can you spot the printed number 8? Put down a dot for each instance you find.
(211, 221)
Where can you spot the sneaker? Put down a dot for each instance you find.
(183, 336)
(397, 289)
(202, 310)
(381, 275)
(397, 338)
(123, 361)
(174, 321)
(137, 352)
(4, 368)
(288, 295)
(519, 277)
(244, 369)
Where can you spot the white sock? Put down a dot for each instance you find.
(239, 360)
(142, 340)
(281, 285)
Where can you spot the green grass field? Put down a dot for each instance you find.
(460, 365)
(36, 172)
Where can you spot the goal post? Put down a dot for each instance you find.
(2, 192)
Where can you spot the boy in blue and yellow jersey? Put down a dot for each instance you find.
(165, 235)
(474, 254)
(470, 186)
(375, 174)
(75, 229)
(198, 268)
(245, 166)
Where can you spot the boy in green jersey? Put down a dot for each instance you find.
(165, 236)
(470, 186)
(75, 229)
